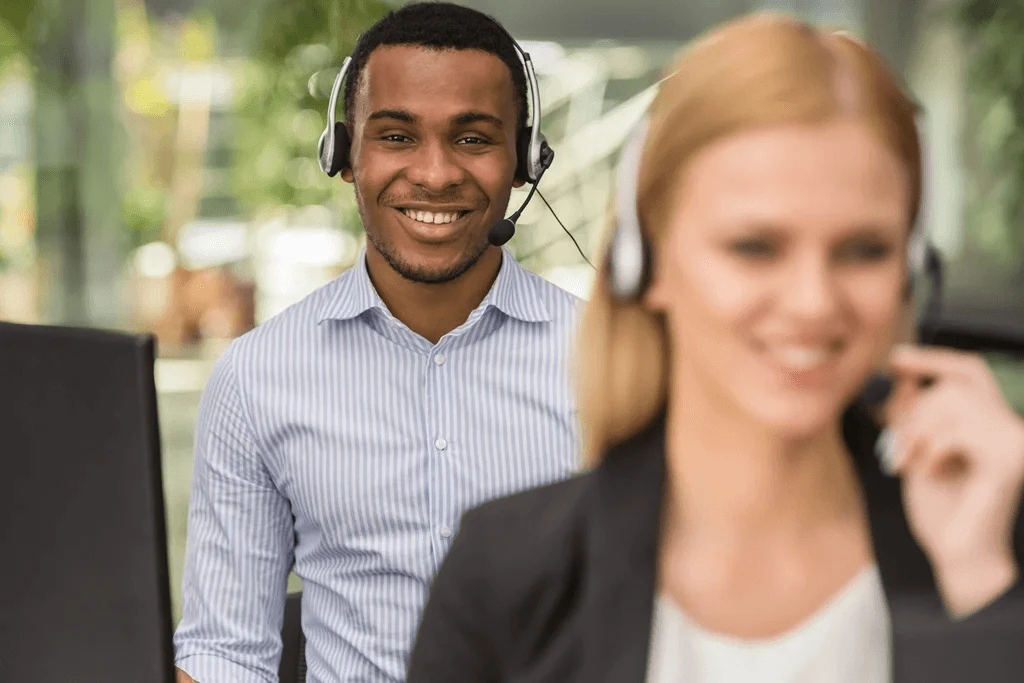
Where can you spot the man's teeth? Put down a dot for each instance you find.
(802, 357)
(431, 217)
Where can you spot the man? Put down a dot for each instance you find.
(349, 433)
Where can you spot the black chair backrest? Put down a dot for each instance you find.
(84, 594)
(293, 641)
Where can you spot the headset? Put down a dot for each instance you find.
(629, 258)
(533, 154)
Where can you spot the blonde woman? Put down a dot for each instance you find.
(736, 524)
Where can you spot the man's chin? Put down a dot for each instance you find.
(426, 276)
(429, 268)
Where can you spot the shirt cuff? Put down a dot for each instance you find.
(214, 669)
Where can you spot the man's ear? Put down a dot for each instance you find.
(346, 173)
(517, 182)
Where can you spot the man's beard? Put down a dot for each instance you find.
(412, 271)
(416, 273)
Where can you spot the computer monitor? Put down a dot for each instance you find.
(84, 592)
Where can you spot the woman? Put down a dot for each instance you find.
(736, 525)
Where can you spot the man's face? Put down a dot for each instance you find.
(433, 156)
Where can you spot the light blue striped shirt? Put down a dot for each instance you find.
(374, 441)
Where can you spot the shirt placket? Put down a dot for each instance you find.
(441, 444)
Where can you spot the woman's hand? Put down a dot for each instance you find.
(959, 448)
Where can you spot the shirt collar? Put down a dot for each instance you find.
(351, 294)
(515, 293)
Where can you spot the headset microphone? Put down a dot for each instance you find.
(502, 231)
(533, 154)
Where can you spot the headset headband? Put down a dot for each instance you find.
(627, 258)
(327, 150)
(534, 165)
(628, 239)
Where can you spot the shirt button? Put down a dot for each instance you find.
(439, 359)
(441, 444)
(445, 531)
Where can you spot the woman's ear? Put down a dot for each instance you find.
(656, 297)
(904, 331)
(906, 324)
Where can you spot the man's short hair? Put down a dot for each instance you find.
(440, 26)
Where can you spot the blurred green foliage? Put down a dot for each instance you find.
(334, 23)
(290, 52)
(282, 104)
(15, 17)
(995, 33)
(144, 208)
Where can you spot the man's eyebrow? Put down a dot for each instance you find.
(477, 117)
(393, 114)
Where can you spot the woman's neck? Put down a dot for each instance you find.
(731, 477)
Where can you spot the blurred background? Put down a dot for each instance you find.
(158, 170)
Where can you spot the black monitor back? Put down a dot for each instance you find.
(84, 592)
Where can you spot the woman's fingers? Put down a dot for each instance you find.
(927, 413)
(917, 363)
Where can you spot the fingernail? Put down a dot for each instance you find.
(886, 451)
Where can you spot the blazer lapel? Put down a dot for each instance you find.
(907, 579)
(905, 570)
(620, 557)
(622, 537)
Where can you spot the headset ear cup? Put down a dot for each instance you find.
(523, 155)
(629, 283)
(320, 151)
(342, 146)
(645, 268)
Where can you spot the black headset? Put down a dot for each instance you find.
(533, 154)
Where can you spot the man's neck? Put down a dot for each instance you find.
(433, 310)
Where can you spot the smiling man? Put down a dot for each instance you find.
(345, 437)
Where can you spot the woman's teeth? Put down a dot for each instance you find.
(431, 217)
(803, 357)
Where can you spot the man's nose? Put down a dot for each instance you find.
(435, 167)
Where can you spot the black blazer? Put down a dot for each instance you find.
(557, 584)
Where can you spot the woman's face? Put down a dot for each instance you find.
(782, 270)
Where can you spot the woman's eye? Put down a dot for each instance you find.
(754, 248)
(865, 251)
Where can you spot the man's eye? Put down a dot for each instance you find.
(395, 137)
(474, 140)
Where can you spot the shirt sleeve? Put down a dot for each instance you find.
(239, 548)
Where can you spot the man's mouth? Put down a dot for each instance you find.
(434, 217)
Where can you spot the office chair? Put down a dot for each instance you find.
(293, 651)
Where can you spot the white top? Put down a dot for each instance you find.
(846, 641)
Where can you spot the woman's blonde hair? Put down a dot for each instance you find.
(760, 70)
